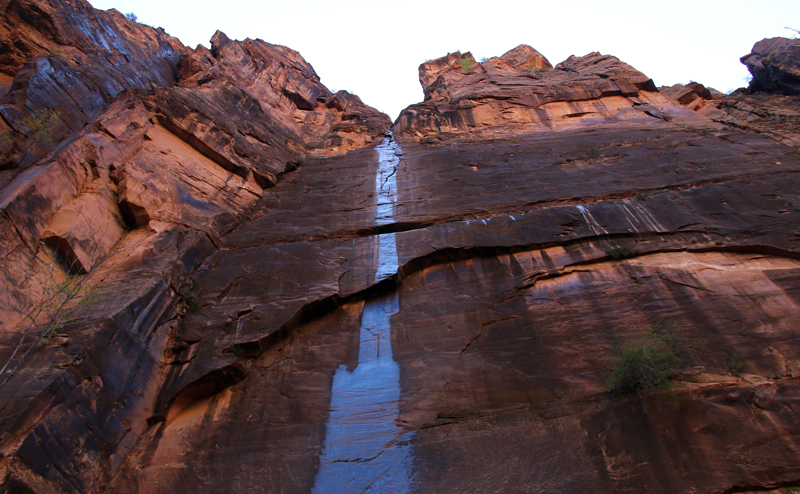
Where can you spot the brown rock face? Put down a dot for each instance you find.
(285, 300)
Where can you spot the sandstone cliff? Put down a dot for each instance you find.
(771, 103)
(287, 299)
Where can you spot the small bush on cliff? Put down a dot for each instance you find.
(6, 145)
(619, 253)
(132, 17)
(466, 64)
(191, 298)
(40, 126)
(737, 364)
(649, 360)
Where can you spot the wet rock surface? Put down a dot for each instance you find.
(291, 301)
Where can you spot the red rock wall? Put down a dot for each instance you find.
(265, 239)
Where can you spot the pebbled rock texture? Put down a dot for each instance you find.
(287, 300)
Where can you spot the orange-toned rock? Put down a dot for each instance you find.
(521, 92)
(86, 230)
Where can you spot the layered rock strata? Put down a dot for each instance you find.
(292, 304)
(521, 92)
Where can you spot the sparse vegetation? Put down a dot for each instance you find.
(191, 298)
(593, 152)
(648, 360)
(39, 124)
(466, 64)
(737, 364)
(63, 295)
(533, 68)
(6, 145)
(619, 252)
(132, 17)
(53, 53)
(236, 350)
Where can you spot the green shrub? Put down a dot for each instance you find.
(647, 361)
(6, 146)
(191, 298)
(619, 252)
(53, 53)
(737, 364)
(236, 350)
(466, 64)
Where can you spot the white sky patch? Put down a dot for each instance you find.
(373, 48)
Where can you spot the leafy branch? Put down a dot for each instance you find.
(40, 126)
(63, 295)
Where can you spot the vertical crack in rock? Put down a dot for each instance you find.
(364, 450)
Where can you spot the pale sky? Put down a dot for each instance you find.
(373, 48)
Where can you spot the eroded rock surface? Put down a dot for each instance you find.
(295, 302)
(521, 92)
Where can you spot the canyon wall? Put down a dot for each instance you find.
(279, 294)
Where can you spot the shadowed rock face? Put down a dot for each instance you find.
(774, 64)
(293, 302)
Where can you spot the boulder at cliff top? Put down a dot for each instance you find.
(772, 103)
(775, 66)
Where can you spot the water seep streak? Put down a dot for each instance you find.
(364, 450)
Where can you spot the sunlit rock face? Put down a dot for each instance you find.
(521, 91)
(292, 300)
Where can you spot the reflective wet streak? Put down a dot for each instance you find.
(364, 450)
(386, 190)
